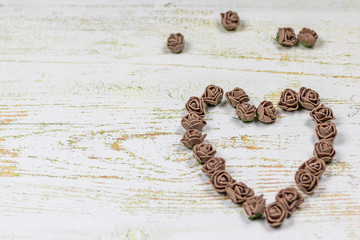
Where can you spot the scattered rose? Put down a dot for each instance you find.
(286, 37)
(212, 95)
(230, 20)
(203, 152)
(239, 192)
(196, 105)
(324, 150)
(255, 206)
(193, 121)
(289, 100)
(308, 98)
(219, 179)
(266, 112)
(236, 96)
(315, 166)
(213, 165)
(245, 111)
(322, 114)
(306, 181)
(192, 137)
(291, 198)
(176, 42)
(275, 213)
(326, 130)
(307, 37)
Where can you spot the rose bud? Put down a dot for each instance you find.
(203, 152)
(289, 100)
(266, 112)
(308, 98)
(315, 166)
(275, 214)
(196, 105)
(176, 42)
(239, 192)
(193, 121)
(192, 137)
(230, 20)
(220, 179)
(326, 130)
(291, 198)
(236, 96)
(213, 165)
(324, 150)
(305, 181)
(245, 111)
(307, 37)
(213, 95)
(322, 114)
(286, 37)
(255, 206)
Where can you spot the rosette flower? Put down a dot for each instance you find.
(193, 121)
(289, 100)
(322, 114)
(275, 213)
(305, 181)
(326, 130)
(196, 105)
(213, 95)
(239, 192)
(192, 137)
(176, 42)
(203, 152)
(307, 37)
(220, 179)
(230, 20)
(255, 206)
(286, 37)
(308, 98)
(236, 96)
(266, 112)
(324, 150)
(245, 111)
(291, 198)
(315, 166)
(213, 165)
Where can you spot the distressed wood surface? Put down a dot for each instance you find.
(90, 109)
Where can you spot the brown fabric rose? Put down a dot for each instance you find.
(196, 105)
(176, 42)
(236, 96)
(220, 179)
(291, 198)
(308, 98)
(275, 213)
(307, 37)
(245, 111)
(255, 206)
(266, 112)
(324, 150)
(230, 20)
(213, 165)
(286, 37)
(305, 181)
(212, 95)
(203, 152)
(315, 166)
(193, 121)
(326, 131)
(239, 192)
(192, 137)
(322, 114)
(289, 100)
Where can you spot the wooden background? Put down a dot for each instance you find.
(90, 109)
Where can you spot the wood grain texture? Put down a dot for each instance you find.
(90, 109)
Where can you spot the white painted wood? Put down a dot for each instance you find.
(90, 109)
